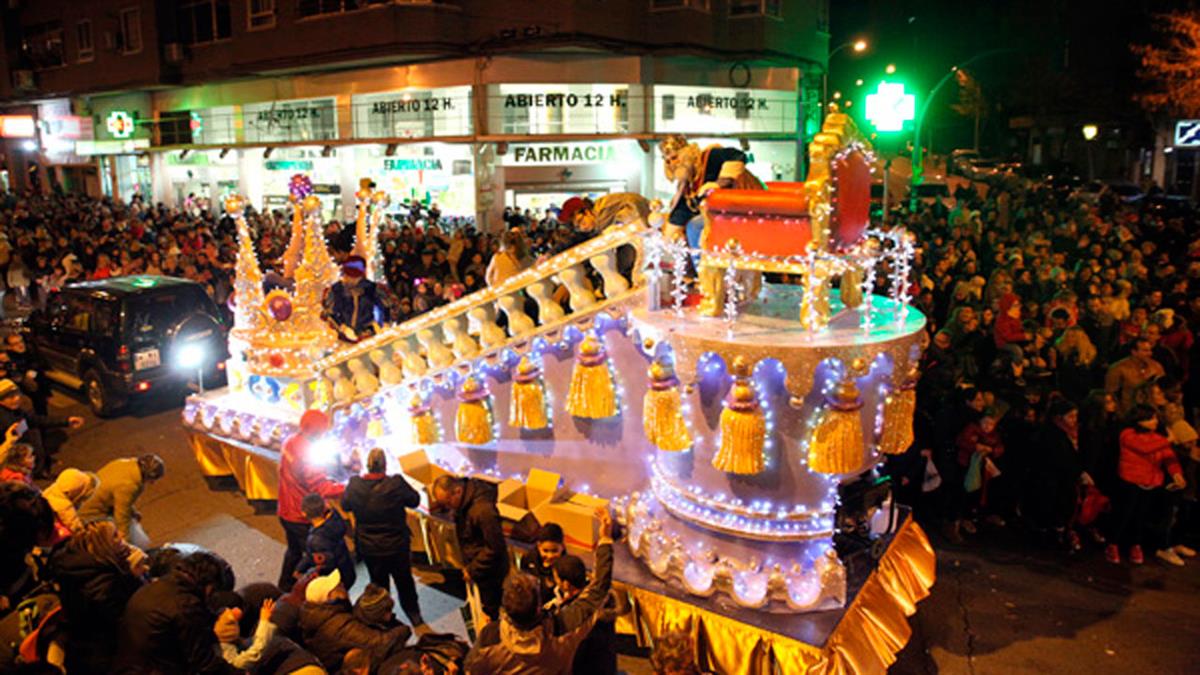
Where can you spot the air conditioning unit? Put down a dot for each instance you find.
(173, 53)
(22, 78)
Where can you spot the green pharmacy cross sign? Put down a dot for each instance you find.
(120, 124)
(889, 107)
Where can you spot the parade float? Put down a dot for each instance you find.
(733, 421)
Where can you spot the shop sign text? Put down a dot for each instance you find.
(415, 105)
(565, 100)
(412, 164)
(710, 102)
(563, 154)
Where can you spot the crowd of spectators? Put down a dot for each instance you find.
(1057, 393)
(1056, 398)
(48, 240)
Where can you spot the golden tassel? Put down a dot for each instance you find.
(424, 427)
(592, 395)
(662, 417)
(473, 422)
(743, 427)
(898, 408)
(836, 445)
(528, 407)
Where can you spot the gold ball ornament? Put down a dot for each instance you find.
(589, 347)
(312, 204)
(235, 205)
(470, 385)
(526, 366)
(381, 198)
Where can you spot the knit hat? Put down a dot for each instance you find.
(320, 588)
(354, 267)
(374, 606)
(569, 208)
(8, 388)
(311, 422)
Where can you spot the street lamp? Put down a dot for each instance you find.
(859, 46)
(1090, 131)
(918, 166)
(891, 69)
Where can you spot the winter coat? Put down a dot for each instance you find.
(1145, 456)
(531, 564)
(69, 490)
(597, 654)
(973, 435)
(299, 475)
(121, 484)
(7, 474)
(549, 647)
(480, 535)
(94, 594)
(330, 630)
(326, 549)
(378, 503)
(166, 628)
(1053, 484)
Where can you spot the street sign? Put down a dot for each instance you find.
(1187, 134)
(889, 107)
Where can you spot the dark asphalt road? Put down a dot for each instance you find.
(999, 607)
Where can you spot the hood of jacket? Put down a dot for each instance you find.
(525, 642)
(477, 491)
(73, 485)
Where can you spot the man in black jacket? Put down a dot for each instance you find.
(167, 627)
(379, 503)
(11, 413)
(480, 535)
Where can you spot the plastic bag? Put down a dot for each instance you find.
(973, 480)
(933, 479)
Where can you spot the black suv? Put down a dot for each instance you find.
(125, 338)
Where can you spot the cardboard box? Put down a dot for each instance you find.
(577, 517)
(416, 465)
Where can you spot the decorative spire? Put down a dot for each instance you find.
(248, 282)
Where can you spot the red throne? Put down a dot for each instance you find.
(777, 221)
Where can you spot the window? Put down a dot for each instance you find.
(261, 14)
(175, 127)
(668, 106)
(42, 44)
(309, 8)
(663, 5)
(204, 22)
(131, 30)
(83, 41)
(771, 8)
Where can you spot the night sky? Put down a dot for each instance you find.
(1074, 62)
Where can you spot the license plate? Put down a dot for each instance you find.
(146, 359)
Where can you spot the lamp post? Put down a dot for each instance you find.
(859, 46)
(918, 168)
(1090, 131)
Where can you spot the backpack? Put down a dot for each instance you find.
(443, 649)
(22, 629)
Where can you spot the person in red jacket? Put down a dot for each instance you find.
(1009, 329)
(1145, 460)
(980, 437)
(299, 474)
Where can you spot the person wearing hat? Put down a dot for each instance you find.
(121, 484)
(31, 426)
(618, 208)
(353, 304)
(331, 628)
(301, 473)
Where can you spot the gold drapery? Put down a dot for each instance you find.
(866, 640)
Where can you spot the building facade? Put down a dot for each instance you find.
(472, 104)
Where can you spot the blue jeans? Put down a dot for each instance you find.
(693, 230)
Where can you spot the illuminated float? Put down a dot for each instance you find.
(736, 434)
